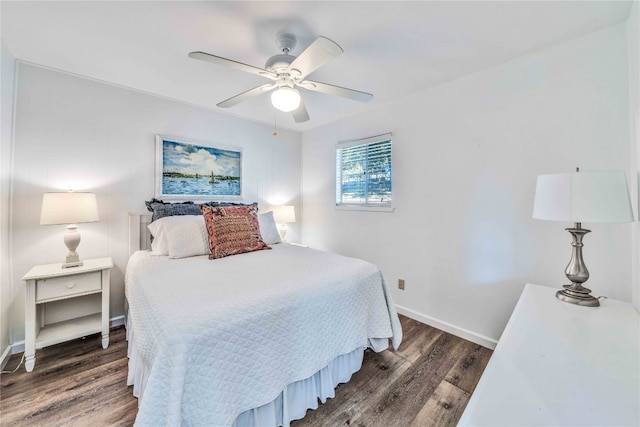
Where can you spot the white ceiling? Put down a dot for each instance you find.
(391, 48)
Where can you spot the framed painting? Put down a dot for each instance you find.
(195, 170)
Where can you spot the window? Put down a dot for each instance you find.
(363, 172)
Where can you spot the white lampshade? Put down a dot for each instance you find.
(583, 197)
(285, 99)
(284, 214)
(68, 208)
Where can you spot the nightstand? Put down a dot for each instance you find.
(51, 282)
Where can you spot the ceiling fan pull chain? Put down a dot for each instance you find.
(275, 123)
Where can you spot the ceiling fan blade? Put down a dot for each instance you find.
(300, 114)
(202, 56)
(336, 90)
(321, 51)
(235, 100)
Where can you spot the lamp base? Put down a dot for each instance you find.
(73, 260)
(72, 264)
(282, 229)
(577, 294)
(577, 273)
(72, 240)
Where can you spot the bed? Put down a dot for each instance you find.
(250, 339)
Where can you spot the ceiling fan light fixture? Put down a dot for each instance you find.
(285, 99)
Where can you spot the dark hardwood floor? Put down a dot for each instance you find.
(427, 382)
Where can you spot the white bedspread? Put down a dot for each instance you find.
(218, 337)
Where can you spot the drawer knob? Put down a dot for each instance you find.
(71, 285)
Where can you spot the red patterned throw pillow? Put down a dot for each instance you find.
(232, 230)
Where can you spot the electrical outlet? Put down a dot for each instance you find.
(401, 284)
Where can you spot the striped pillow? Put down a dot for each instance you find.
(232, 230)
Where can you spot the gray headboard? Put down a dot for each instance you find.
(139, 236)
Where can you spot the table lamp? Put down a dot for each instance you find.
(284, 215)
(69, 208)
(599, 197)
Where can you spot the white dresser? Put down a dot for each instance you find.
(559, 364)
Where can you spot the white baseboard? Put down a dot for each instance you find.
(466, 334)
(6, 354)
(116, 321)
(18, 347)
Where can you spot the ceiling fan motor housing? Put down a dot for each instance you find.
(279, 63)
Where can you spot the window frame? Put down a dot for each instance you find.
(365, 205)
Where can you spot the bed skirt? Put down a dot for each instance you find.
(292, 403)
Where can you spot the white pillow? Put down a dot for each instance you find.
(268, 228)
(160, 229)
(189, 238)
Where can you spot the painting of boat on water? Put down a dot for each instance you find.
(196, 170)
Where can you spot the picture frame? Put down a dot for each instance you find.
(188, 169)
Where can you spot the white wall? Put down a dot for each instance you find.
(77, 133)
(466, 155)
(7, 64)
(633, 37)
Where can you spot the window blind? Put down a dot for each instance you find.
(363, 172)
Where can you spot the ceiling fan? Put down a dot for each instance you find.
(289, 73)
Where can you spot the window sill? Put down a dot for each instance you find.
(387, 209)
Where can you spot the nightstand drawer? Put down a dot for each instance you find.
(63, 287)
